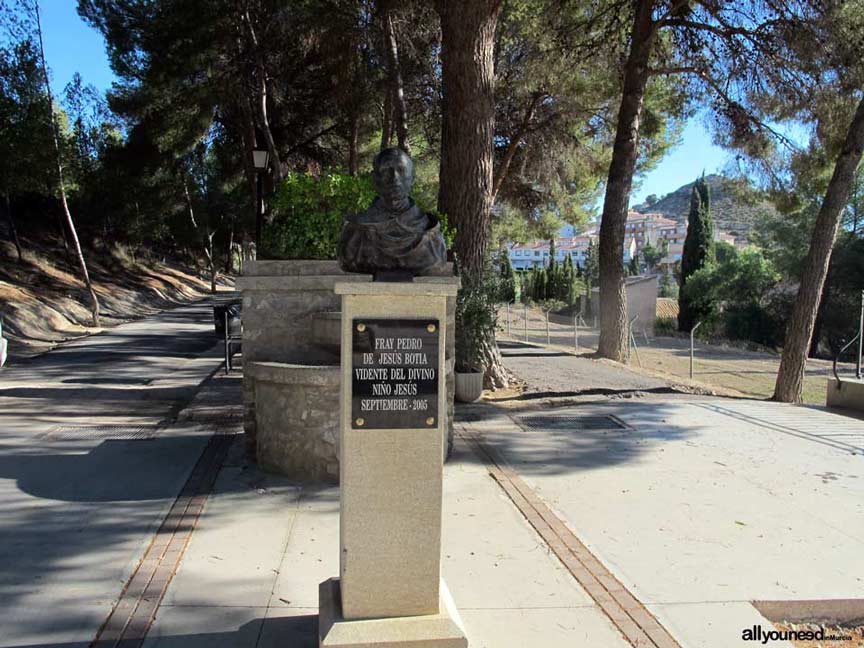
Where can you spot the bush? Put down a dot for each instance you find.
(736, 299)
(476, 318)
(308, 211)
(665, 326)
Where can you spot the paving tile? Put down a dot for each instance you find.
(205, 627)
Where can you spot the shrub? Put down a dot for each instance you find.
(665, 326)
(735, 298)
(308, 211)
(476, 318)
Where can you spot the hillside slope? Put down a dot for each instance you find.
(43, 302)
(732, 211)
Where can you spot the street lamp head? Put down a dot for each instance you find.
(260, 159)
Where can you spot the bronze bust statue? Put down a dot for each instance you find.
(393, 236)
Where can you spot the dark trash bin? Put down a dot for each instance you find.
(234, 310)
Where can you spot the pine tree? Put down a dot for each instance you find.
(698, 250)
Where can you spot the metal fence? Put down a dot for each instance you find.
(541, 326)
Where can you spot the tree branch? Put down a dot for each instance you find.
(514, 143)
(714, 85)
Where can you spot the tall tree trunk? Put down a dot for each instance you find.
(13, 230)
(211, 261)
(819, 323)
(229, 264)
(467, 129)
(790, 378)
(206, 238)
(613, 342)
(468, 124)
(250, 142)
(394, 74)
(261, 99)
(353, 144)
(94, 300)
(387, 119)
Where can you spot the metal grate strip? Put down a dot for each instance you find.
(101, 432)
(571, 422)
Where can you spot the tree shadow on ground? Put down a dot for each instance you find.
(299, 631)
(564, 451)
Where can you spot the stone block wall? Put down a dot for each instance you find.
(297, 421)
(289, 309)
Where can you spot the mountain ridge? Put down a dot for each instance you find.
(734, 205)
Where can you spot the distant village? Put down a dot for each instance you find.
(642, 229)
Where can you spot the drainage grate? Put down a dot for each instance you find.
(571, 422)
(101, 432)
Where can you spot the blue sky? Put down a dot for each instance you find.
(71, 45)
(683, 164)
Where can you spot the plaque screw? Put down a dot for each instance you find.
(360, 421)
(430, 420)
(431, 329)
(361, 327)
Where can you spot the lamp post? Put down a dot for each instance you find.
(260, 159)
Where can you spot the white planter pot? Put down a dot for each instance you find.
(469, 386)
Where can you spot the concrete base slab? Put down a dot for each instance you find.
(442, 630)
(847, 393)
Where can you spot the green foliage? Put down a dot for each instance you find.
(665, 326)
(27, 163)
(633, 267)
(557, 282)
(698, 252)
(734, 298)
(652, 255)
(476, 318)
(592, 266)
(667, 287)
(838, 315)
(508, 278)
(308, 212)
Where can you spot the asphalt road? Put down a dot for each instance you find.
(90, 459)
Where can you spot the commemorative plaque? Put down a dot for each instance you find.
(394, 373)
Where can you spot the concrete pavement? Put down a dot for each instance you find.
(91, 457)
(250, 575)
(700, 508)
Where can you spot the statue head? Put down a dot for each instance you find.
(393, 175)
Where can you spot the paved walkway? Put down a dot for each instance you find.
(633, 518)
(701, 508)
(250, 575)
(91, 458)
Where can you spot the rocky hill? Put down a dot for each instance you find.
(733, 204)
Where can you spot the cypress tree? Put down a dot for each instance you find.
(552, 270)
(508, 279)
(698, 249)
(569, 281)
(542, 284)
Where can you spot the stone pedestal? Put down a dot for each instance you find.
(391, 477)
